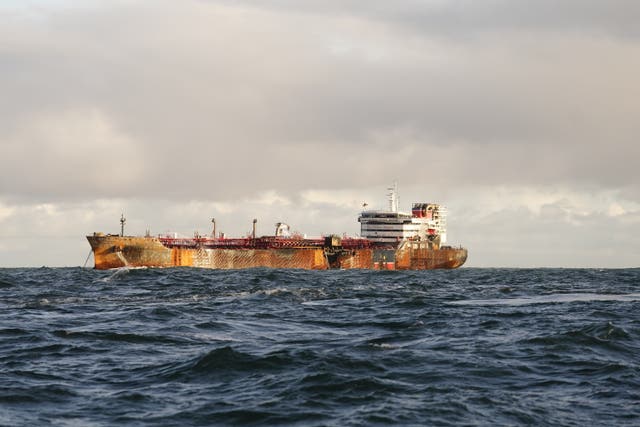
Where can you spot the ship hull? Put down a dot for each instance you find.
(112, 251)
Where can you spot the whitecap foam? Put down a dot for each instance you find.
(320, 302)
(118, 272)
(213, 337)
(383, 345)
(551, 299)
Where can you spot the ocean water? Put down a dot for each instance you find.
(182, 347)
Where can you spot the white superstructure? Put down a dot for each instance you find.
(427, 221)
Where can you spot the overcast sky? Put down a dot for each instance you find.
(522, 117)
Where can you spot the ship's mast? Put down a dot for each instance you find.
(122, 222)
(393, 197)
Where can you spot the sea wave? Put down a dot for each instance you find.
(164, 347)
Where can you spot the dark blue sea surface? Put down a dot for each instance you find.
(181, 347)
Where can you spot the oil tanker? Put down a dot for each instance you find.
(389, 240)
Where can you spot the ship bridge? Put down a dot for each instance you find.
(427, 221)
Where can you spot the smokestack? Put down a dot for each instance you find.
(253, 233)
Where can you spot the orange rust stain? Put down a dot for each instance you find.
(357, 258)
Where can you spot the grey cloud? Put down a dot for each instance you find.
(209, 100)
(461, 19)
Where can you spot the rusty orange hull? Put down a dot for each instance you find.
(418, 256)
(112, 251)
